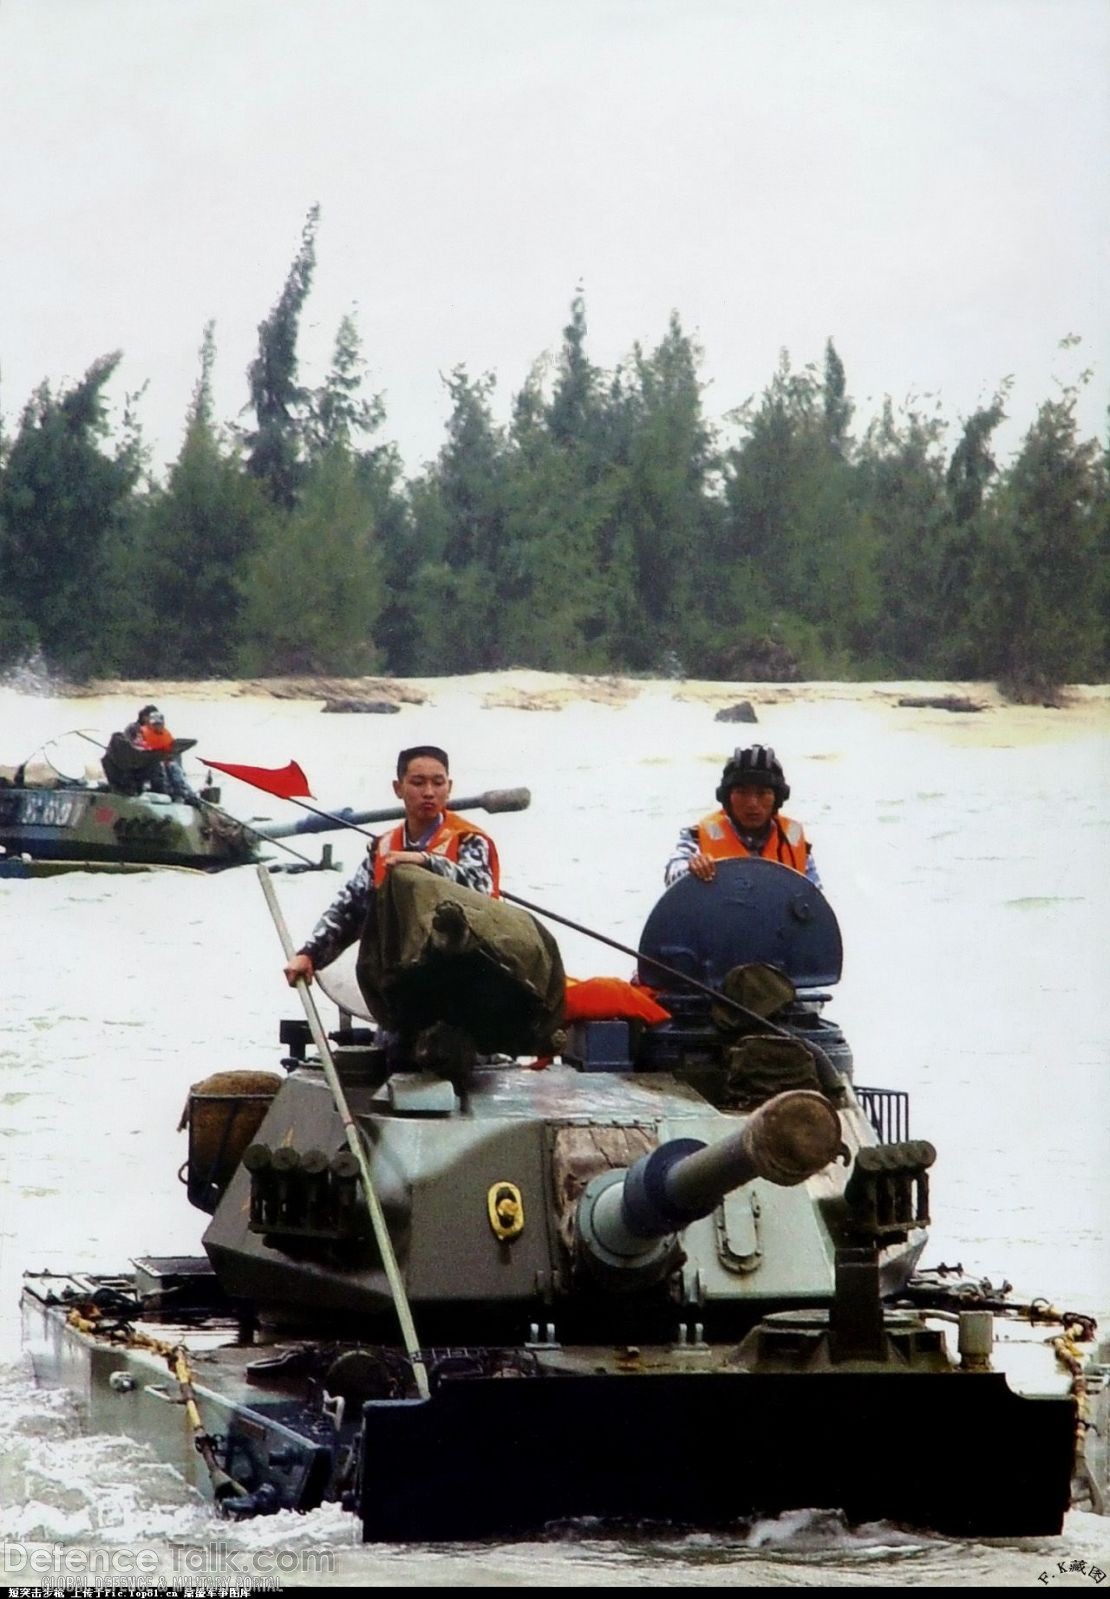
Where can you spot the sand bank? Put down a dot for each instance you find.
(552, 691)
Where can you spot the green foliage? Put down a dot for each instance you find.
(458, 511)
(1035, 623)
(338, 414)
(199, 534)
(379, 475)
(664, 499)
(901, 493)
(175, 562)
(795, 515)
(564, 577)
(765, 476)
(835, 403)
(574, 412)
(972, 465)
(603, 529)
(1102, 561)
(313, 589)
(60, 498)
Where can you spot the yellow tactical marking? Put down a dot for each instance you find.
(506, 1210)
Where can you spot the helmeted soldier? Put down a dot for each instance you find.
(750, 794)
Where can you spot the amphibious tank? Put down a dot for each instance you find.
(487, 1256)
(51, 824)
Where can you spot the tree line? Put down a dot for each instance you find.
(607, 527)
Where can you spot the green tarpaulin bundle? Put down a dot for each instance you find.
(434, 951)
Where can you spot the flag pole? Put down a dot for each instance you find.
(355, 1145)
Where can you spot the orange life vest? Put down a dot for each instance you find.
(157, 738)
(444, 841)
(786, 843)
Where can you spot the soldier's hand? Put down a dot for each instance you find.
(299, 966)
(399, 857)
(703, 866)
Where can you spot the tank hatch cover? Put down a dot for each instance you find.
(752, 910)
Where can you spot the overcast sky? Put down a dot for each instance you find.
(923, 180)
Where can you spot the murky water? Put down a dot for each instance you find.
(967, 858)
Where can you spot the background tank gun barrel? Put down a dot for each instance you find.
(493, 800)
(627, 1219)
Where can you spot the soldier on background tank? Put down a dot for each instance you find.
(751, 792)
(128, 761)
(146, 756)
(134, 731)
(168, 777)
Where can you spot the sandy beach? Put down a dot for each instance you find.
(552, 691)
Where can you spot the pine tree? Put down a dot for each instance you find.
(901, 490)
(61, 496)
(338, 413)
(458, 511)
(663, 506)
(1036, 624)
(275, 447)
(313, 588)
(182, 554)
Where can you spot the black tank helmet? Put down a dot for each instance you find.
(756, 767)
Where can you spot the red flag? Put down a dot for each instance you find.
(287, 782)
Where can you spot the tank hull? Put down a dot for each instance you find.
(960, 1456)
(515, 1440)
(129, 1391)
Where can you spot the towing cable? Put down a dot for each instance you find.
(1078, 1329)
(176, 1357)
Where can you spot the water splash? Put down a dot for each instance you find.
(33, 675)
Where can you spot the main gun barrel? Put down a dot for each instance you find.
(627, 1220)
(493, 800)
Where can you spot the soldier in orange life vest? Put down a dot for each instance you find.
(430, 836)
(149, 732)
(153, 731)
(135, 732)
(751, 791)
(169, 776)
